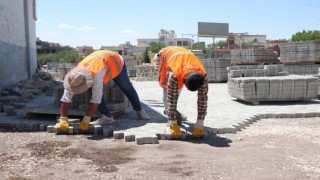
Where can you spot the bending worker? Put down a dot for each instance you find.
(178, 66)
(93, 72)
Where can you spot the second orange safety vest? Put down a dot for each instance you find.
(181, 61)
(97, 60)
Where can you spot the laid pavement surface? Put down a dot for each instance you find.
(224, 115)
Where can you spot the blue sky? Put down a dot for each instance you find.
(104, 22)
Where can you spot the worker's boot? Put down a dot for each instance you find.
(103, 120)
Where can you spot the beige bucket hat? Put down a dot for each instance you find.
(78, 80)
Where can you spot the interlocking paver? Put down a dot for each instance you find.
(224, 115)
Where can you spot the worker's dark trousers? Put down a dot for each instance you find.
(122, 80)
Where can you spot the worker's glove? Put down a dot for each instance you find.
(198, 131)
(63, 124)
(175, 129)
(84, 124)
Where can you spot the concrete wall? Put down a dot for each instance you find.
(18, 58)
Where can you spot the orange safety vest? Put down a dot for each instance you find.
(181, 61)
(97, 60)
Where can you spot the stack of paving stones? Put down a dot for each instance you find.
(216, 69)
(256, 71)
(279, 88)
(146, 72)
(300, 52)
(253, 56)
(302, 69)
(115, 98)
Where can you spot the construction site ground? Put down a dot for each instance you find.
(272, 140)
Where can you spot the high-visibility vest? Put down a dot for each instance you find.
(97, 60)
(181, 61)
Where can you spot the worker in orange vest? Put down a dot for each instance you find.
(178, 66)
(92, 72)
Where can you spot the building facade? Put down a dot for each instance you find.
(18, 57)
(168, 38)
(133, 55)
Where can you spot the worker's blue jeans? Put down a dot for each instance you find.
(122, 80)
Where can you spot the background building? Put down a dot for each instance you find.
(18, 58)
(168, 38)
(44, 47)
(132, 55)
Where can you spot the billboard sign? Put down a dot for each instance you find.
(206, 28)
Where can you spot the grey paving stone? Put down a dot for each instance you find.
(107, 131)
(129, 136)
(118, 134)
(50, 129)
(43, 127)
(97, 130)
(7, 125)
(142, 138)
(19, 105)
(71, 130)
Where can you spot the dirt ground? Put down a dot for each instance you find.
(268, 149)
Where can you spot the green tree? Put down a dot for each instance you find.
(222, 44)
(156, 47)
(147, 57)
(305, 36)
(89, 51)
(62, 55)
(199, 46)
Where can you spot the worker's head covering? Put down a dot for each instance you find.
(194, 81)
(78, 80)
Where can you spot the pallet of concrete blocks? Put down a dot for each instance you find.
(146, 72)
(302, 69)
(248, 56)
(308, 51)
(277, 88)
(242, 88)
(115, 98)
(216, 69)
(273, 70)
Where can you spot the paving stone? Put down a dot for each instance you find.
(11, 112)
(107, 131)
(36, 127)
(97, 130)
(70, 130)
(19, 105)
(239, 126)
(1, 107)
(310, 114)
(76, 129)
(118, 134)
(299, 115)
(129, 136)
(214, 130)
(56, 128)
(7, 126)
(50, 129)
(43, 127)
(143, 138)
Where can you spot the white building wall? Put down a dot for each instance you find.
(18, 59)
